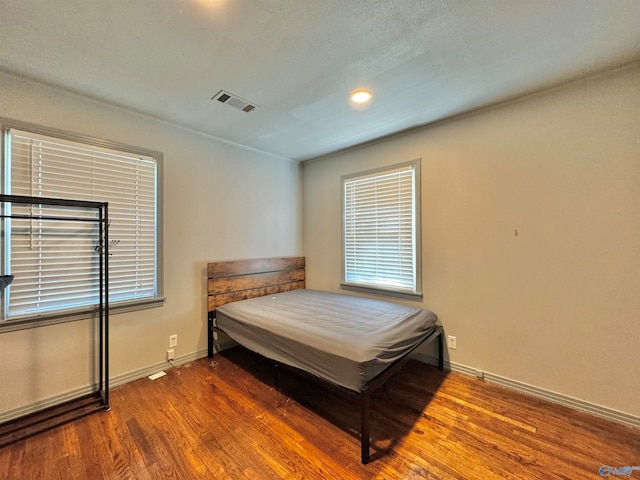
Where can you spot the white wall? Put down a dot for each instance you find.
(557, 306)
(220, 202)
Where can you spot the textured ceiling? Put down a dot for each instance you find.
(424, 60)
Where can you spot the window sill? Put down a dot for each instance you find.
(416, 296)
(42, 320)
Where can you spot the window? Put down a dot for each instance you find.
(54, 264)
(381, 242)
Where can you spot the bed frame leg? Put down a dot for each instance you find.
(210, 335)
(364, 427)
(441, 351)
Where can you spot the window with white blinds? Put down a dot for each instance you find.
(380, 229)
(55, 263)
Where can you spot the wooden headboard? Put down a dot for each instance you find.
(243, 279)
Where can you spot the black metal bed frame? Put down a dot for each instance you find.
(365, 394)
(50, 417)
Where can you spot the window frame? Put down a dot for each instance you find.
(81, 313)
(370, 288)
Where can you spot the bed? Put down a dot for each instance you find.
(350, 343)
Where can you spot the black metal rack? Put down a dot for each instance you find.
(98, 400)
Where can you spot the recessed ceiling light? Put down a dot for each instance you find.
(361, 96)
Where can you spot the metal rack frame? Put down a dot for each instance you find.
(98, 400)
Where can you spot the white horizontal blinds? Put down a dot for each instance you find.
(49, 167)
(48, 258)
(379, 229)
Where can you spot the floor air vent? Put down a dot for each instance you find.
(234, 101)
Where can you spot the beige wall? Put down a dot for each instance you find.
(220, 202)
(558, 305)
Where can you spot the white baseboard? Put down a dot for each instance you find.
(151, 369)
(553, 397)
(113, 382)
(181, 360)
(46, 403)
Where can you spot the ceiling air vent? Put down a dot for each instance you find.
(234, 101)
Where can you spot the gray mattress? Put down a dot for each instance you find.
(344, 339)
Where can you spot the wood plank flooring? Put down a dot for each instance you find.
(224, 419)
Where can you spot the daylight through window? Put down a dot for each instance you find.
(55, 264)
(380, 229)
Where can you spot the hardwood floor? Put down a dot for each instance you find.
(224, 419)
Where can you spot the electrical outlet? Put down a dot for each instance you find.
(173, 341)
(170, 354)
(452, 342)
